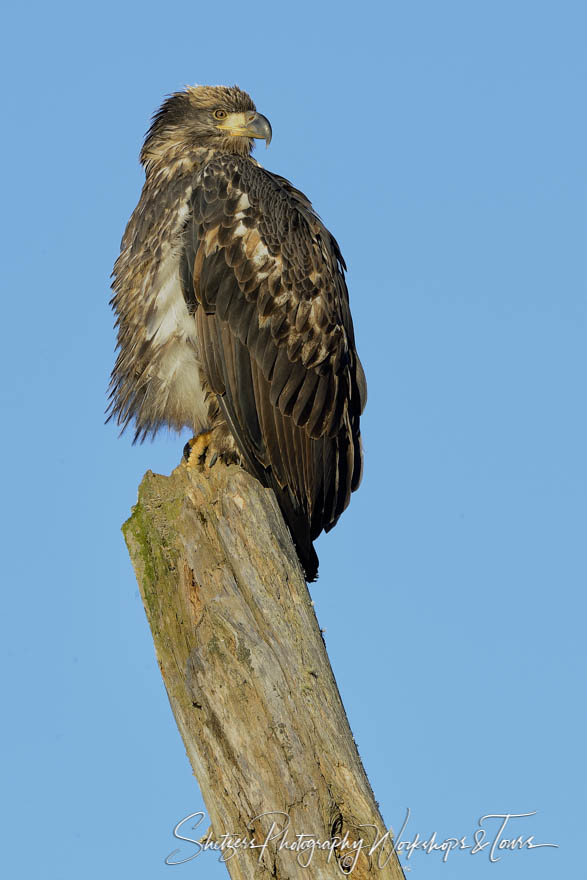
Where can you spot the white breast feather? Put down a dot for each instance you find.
(172, 332)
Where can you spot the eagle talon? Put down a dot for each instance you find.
(196, 449)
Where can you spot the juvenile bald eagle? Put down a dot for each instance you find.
(233, 314)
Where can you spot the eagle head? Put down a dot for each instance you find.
(204, 118)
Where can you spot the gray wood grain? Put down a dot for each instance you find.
(248, 676)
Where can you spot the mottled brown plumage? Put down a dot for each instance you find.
(233, 313)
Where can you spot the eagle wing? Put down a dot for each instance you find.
(265, 281)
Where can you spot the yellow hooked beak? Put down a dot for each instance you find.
(249, 124)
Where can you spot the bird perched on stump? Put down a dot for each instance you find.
(233, 314)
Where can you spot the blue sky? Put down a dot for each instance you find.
(444, 144)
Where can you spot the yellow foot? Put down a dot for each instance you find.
(197, 448)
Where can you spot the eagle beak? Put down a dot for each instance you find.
(249, 124)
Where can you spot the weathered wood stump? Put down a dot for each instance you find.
(249, 680)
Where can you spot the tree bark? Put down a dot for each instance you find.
(249, 680)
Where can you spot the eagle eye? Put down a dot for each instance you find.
(220, 114)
